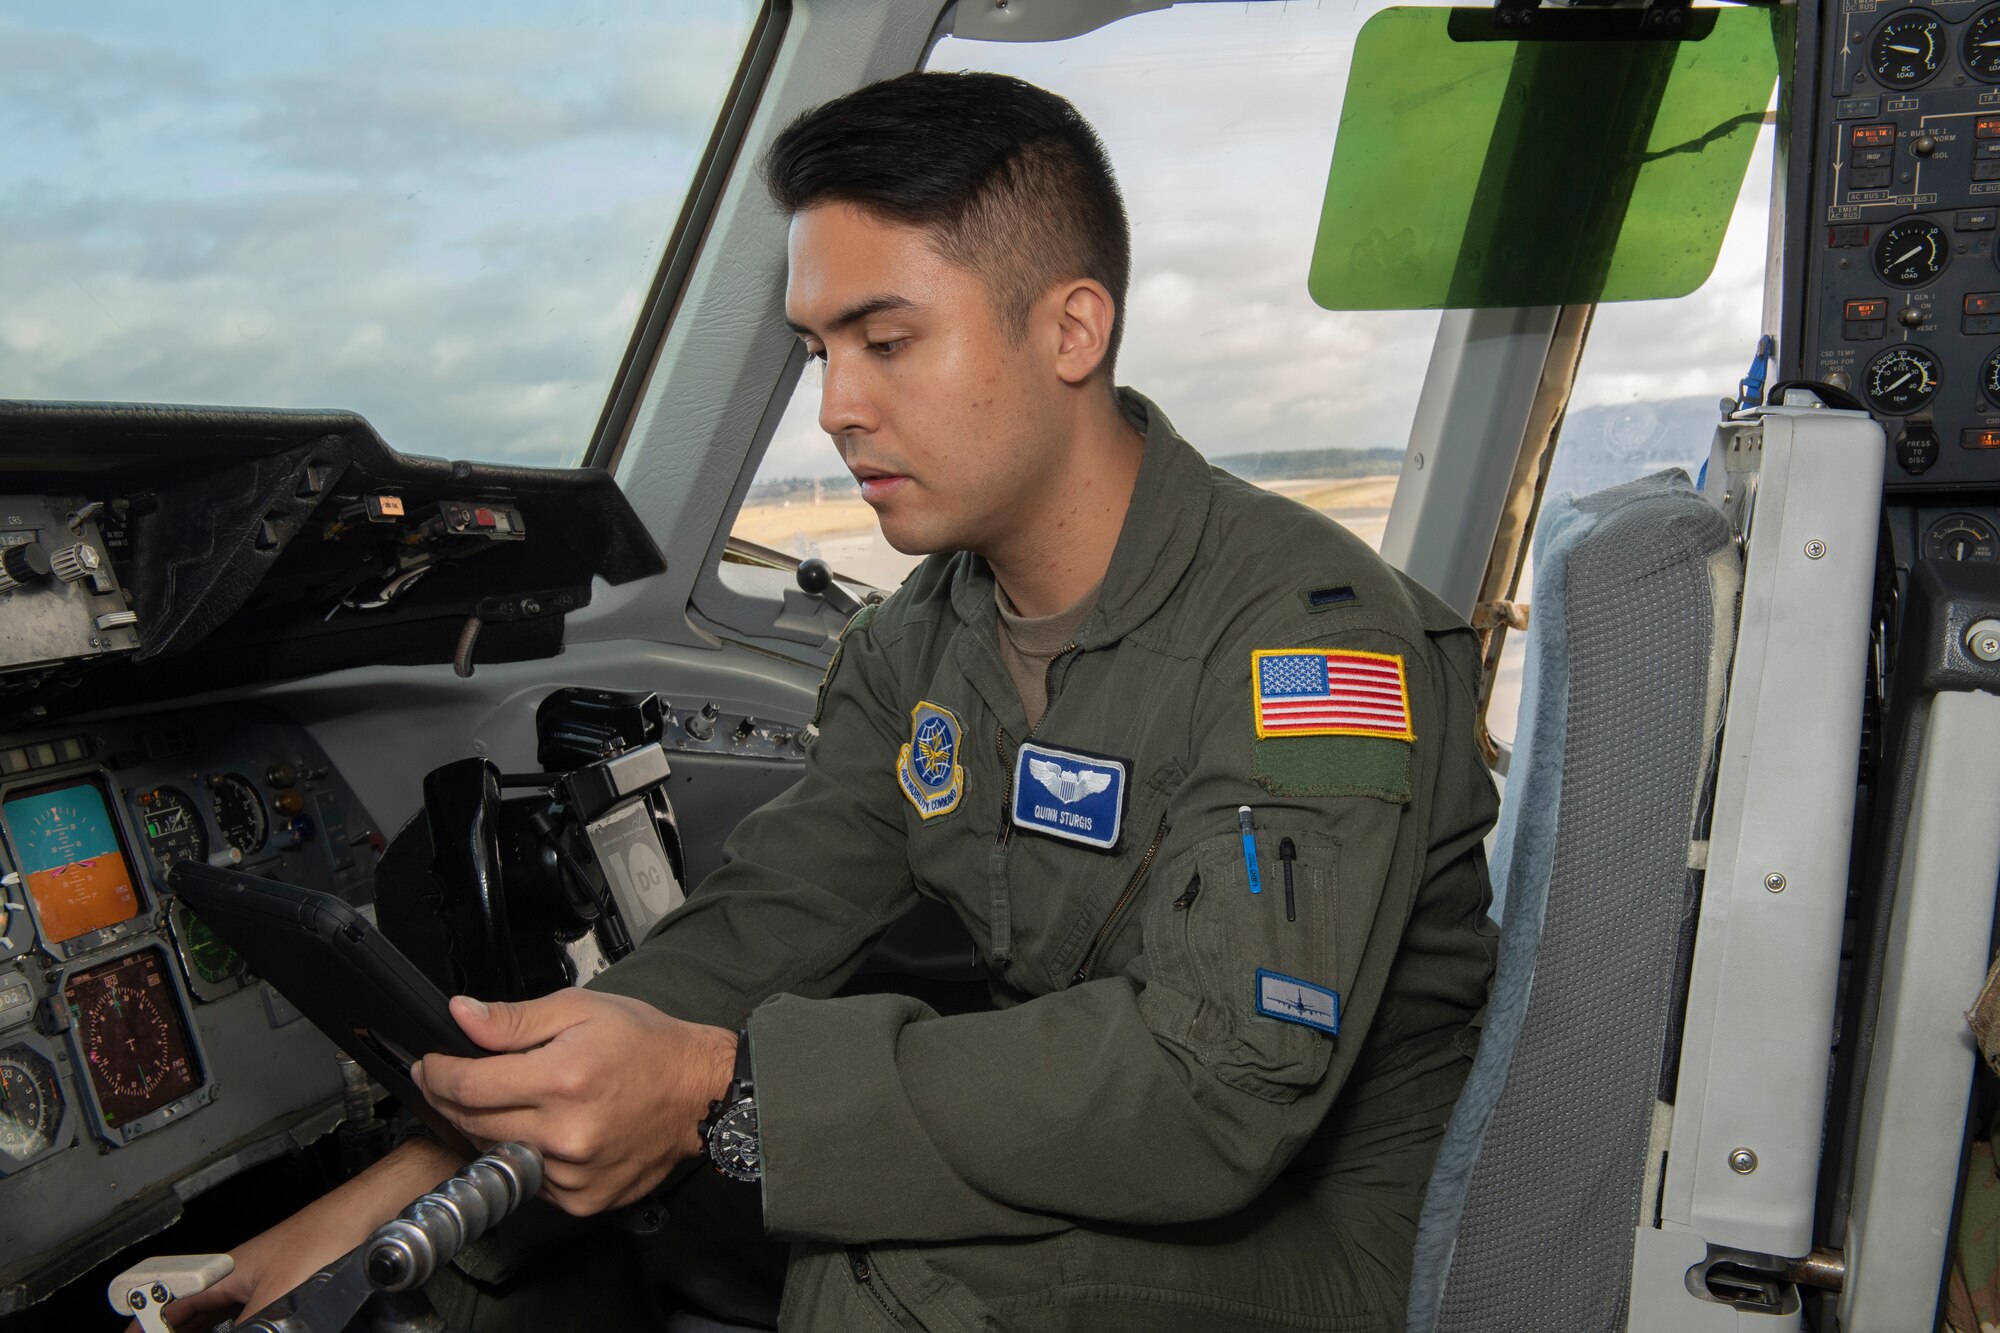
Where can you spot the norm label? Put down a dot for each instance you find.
(1079, 798)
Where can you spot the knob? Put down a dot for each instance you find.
(282, 775)
(22, 564)
(1910, 316)
(75, 563)
(701, 725)
(1923, 145)
(815, 578)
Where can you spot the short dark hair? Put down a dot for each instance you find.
(1009, 179)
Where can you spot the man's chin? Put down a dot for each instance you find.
(911, 540)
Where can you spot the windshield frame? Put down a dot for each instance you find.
(711, 174)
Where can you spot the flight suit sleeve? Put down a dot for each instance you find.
(809, 882)
(1171, 1092)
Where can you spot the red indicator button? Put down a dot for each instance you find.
(1986, 127)
(483, 517)
(1979, 439)
(1872, 308)
(1876, 136)
(1982, 303)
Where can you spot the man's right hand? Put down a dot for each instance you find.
(277, 1261)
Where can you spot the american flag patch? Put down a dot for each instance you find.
(1314, 692)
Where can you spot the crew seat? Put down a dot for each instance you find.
(1529, 1220)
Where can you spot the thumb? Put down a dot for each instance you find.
(502, 1026)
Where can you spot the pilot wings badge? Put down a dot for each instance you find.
(927, 768)
(1063, 794)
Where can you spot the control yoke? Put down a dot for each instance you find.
(380, 1280)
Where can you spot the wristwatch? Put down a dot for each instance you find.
(729, 1135)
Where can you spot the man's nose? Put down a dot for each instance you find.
(844, 403)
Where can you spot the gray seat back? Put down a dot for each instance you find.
(1528, 1222)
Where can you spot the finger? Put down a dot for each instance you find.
(489, 1083)
(489, 1127)
(503, 1026)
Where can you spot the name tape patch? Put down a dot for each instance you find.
(1293, 1001)
(928, 768)
(1321, 692)
(1079, 798)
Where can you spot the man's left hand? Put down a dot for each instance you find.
(608, 1089)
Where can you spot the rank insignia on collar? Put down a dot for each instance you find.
(928, 768)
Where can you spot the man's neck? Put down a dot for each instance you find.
(1062, 550)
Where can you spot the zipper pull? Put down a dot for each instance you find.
(1287, 853)
(1188, 895)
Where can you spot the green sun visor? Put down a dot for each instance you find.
(1577, 163)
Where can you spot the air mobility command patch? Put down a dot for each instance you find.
(1331, 722)
(928, 767)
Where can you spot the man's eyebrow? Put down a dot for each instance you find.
(854, 314)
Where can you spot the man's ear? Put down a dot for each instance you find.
(1085, 313)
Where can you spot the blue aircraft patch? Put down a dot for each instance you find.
(1076, 797)
(928, 768)
(1293, 1001)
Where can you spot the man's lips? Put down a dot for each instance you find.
(876, 485)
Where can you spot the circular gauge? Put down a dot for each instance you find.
(239, 812)
(1908, 49)
(1901, 380)
(174, 830)
(1961, 539)
(127, 1022)
(1912, 252)
(31, 1103)
(211, 964)
(1982, 45)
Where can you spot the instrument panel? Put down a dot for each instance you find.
(1904, 271)
(123, 1018)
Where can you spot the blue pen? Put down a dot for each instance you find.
(1249, 847)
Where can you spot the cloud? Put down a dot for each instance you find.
(447, 228)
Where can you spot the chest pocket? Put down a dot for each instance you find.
(1249, 983)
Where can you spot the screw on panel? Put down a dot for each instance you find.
(1982, 640)
(1774, 882)
(136, 1299)
(1815, 549)
(1742, 1161)
(160, 1293)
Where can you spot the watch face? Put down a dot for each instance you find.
(733, 1145)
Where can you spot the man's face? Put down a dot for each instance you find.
(947, 421)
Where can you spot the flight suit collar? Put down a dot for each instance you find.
(1156, 545)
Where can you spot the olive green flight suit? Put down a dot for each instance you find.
(1126, 1142)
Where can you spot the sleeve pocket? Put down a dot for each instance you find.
(1208, 938)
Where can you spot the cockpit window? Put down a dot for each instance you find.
(1220, 122)
(445, 216)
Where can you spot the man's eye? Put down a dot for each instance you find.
(888, 348)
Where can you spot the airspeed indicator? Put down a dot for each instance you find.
(1901, 380)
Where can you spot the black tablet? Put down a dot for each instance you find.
(337, 970)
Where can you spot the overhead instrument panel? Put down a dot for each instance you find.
(1903, 281)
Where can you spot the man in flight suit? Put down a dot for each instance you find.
(1194, 767)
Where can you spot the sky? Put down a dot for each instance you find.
(445, 216)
